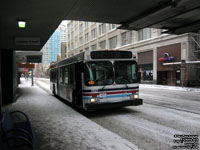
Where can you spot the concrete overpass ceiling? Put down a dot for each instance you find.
(110, 11)
(172, 15)
(43, 17)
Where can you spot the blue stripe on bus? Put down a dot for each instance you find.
(121, 95)
(114, 89)
(108, 96)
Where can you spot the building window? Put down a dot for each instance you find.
(113, 42)
(81, 40)
(86, 37)
(65, 48)
(72, 45)
(86, 25)
(126, 37)
(144, 34)
(93, 34)
(72, 34)
(112, 26)
(94, 47)
(76, 27)
(76, 42)
(102, 29)
(87, 48)
(102, 45)
(68, 26)
(81, 28)
(69, 47)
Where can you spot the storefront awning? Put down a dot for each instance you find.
(179, 63)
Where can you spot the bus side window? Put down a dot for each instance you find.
(66, 75)
(72, 75)
(60, 76)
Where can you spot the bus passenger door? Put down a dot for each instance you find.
(78, 86)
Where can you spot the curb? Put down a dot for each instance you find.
(170, 87)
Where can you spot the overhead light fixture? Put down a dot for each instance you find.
(21, 24)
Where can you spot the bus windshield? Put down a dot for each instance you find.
(125, 72)
(99, 73)
(104, 73)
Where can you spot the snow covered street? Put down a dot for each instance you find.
(167, 111)
(152, 126)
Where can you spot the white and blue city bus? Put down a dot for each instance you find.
(97, 79)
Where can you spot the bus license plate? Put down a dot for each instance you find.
(103, 95)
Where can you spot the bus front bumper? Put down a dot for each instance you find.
(96, 106)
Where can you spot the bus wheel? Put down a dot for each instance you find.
(54, 92)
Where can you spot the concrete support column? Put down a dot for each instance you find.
(8, 75)
(184, 50)
(155, 65)
(0, 89)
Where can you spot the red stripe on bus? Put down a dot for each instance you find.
(120, 92)
(116, 92)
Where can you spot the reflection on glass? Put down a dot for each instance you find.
(101, 73)
(125, 72)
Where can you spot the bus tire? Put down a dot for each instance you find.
(54, 90)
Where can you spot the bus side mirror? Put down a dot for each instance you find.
(139, 77)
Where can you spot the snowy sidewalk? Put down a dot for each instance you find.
(59, 127)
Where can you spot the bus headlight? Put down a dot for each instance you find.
(93, 100)
(136, 96)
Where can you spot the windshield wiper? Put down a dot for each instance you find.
(127, 86)
(103, 87)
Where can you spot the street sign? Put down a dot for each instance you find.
(27, 65)
(34, 58)
(27, 41)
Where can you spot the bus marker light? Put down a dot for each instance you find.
(91, 82)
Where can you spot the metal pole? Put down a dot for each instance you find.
(32, 77)
(182, 72)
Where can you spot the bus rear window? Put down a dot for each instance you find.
(111, 55)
